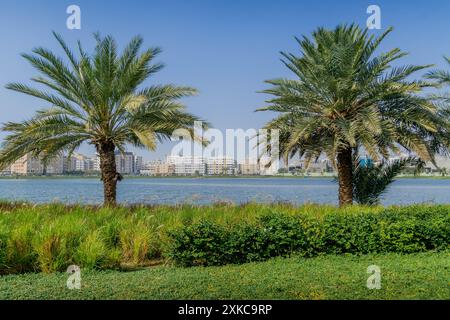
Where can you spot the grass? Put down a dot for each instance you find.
(414, 276)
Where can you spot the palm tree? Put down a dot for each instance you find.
(97, 99)
(370, 181)
(344, 98)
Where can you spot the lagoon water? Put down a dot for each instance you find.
(210, 190)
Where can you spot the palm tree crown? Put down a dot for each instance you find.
(344, 97)
(96, 99)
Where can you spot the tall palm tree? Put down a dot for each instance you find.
(96, 99)
(344, 97)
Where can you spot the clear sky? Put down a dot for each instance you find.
(226, 49)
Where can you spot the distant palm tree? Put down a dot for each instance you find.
(97, 99)
(344, 98)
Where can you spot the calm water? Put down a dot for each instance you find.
(204, 191)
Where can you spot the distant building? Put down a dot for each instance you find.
(54, 166)
(125, 162)
(442, 165)
(138, 164)
(79, 163)
(158, 168)
(27, 165)
(187, 165)
(220, 166)
(6, 171)
(321, 165)
(249, 167)
(90, 165)
(96, 163)
(76, 162)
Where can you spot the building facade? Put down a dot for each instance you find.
(187, 165)
(220, 166)
(138, 164)
(158, 168)
(249, 167)
(27, 165)
(125, 163)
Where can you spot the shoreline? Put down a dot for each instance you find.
(68, 177)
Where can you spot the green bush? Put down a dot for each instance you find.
(393, 230)
(200, 244)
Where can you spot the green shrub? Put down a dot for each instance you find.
(203, 243)
(207, 243)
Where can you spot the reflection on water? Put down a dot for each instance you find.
(211, 190)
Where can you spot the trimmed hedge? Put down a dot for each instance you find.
(401, 230)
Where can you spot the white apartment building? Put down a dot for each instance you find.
(79, 163)
(29, 165)
(96, 163)
(221, 166)
(76, 162)
(187, 165)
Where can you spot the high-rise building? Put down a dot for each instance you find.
(187, 165)
(221, 166)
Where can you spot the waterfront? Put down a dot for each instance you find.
(211, 190)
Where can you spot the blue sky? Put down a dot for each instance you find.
(226, 49)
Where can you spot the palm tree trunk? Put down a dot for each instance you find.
(109, 172)
(345, 176)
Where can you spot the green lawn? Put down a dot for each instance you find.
(414, 276)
